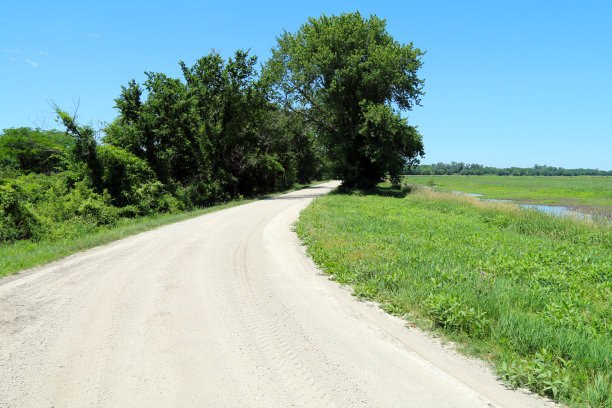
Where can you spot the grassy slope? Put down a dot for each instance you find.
(531, 292)
(22, 255)
(588, 192)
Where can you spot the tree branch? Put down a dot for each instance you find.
(315, 106)
(311, 118)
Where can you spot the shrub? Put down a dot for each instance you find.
(122, 173)
(544, 373)
(202, 193)
(152, 198)
(64, 202)
(17, 221)
(96, 210)
(452, 312)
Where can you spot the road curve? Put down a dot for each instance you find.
(223, 310)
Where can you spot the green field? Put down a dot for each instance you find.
(529, 292)
(588, 193)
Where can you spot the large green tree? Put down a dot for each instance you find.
(213, 133)
(33, 150)
(348, 77)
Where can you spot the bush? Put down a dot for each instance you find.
(129, 211)
(17, 221)
(95, 210)
(544, 373)
(122, 174)
(452, 312)
(201, 193)
(152, 198)
(66, 199)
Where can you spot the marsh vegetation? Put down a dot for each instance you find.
(590, 194)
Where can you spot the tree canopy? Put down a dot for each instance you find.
(215, 133)
(348, 77)
(25, 149)
(327, 104)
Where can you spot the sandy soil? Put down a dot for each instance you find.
(223, 310)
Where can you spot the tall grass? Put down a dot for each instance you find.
(530, 292)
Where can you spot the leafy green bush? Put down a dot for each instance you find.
(67, 201)
(17, 221)
(201, 193)
(96, 210)
(122, 173)
(544, 373)
(129, 211)
(452, 312)
(152, 198)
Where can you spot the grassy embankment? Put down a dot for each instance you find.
(530, 292)
(588, 193)
(20, 255)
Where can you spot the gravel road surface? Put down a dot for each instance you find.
(223, 310)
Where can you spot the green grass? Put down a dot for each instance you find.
(20, 255)
(529, 292)
(589, 193)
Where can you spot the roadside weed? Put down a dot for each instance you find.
(599, 393)
(451, 312)
(542, 373)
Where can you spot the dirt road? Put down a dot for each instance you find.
(223, 310)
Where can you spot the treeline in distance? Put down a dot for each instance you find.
(477, 169)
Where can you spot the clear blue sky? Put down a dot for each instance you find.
(513, 83)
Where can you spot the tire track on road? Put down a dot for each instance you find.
(271, 333)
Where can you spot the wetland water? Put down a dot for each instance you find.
(556, 210)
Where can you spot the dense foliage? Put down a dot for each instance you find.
(347, 77)
(24, 149)
(325, 105)
(211, 137)
(478, 169)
